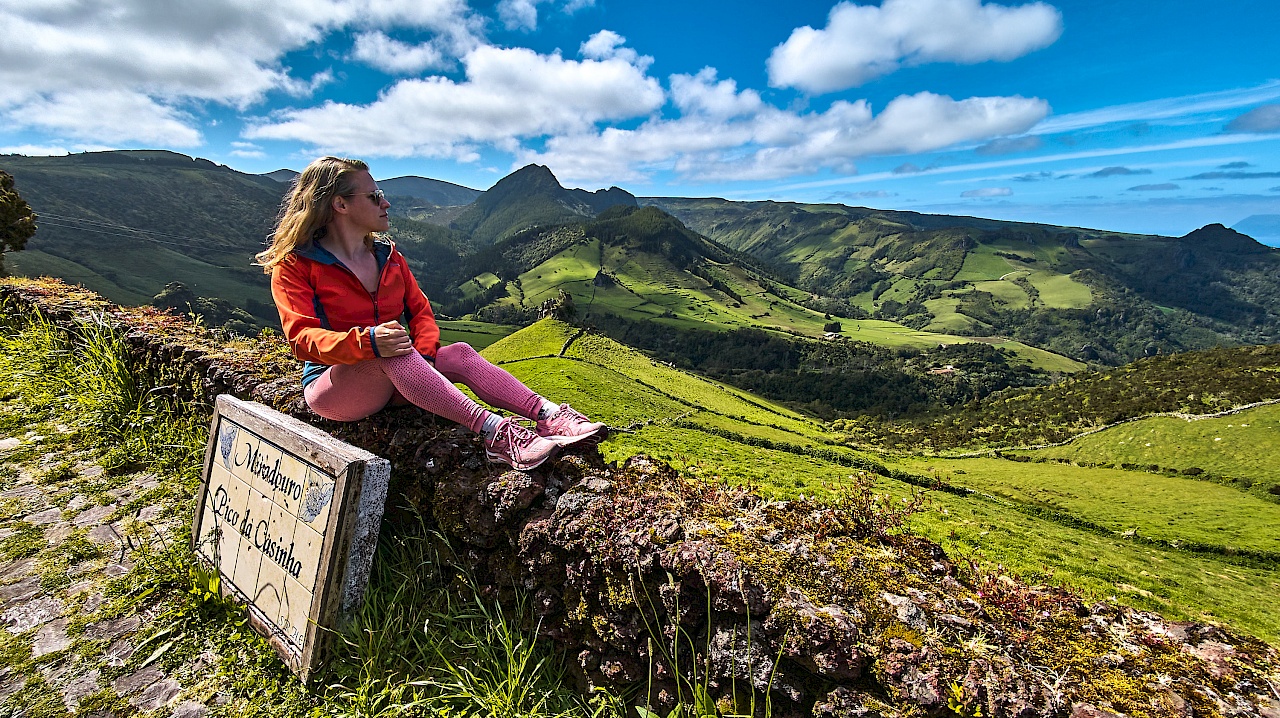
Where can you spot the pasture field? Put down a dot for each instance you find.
(1189, 510)
(35, 263)
(1059, 291)
(947, 318)
(1005, 291)
(1242, 448)
(1046, 522)
(478, 334)
(478, 284)
(1179, 584)
(980, 266)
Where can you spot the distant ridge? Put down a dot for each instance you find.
(281, 175)
(437, 192)
(1263, 227)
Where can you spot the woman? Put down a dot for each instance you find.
(340, 290)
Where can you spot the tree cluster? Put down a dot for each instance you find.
(17, 219)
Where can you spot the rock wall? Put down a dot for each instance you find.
(714, 596)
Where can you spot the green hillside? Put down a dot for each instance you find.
(1180, 546)
(643, 265)
(1240, 449)
(1088, 294)
(1202, 382)
(124, 224)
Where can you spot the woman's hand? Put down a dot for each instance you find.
(392, 340)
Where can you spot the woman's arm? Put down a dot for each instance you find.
(422, 320)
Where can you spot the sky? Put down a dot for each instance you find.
(1131, 115)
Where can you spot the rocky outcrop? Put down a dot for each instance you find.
(705, 594)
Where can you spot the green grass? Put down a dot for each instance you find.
(150, 267)
(1059, 291)
(1005, 291)
(946, 317)
(1177, 584)
(1167, 508)
(604, 377)
(979, 266)
(1048, 522)
(478, 284)
(1242, 446)
(478, 334)
(35, 263)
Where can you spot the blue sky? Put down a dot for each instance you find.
(1144, 116)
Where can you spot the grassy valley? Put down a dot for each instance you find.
(1172, 543)
(1093, 295)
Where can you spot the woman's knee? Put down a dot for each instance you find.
(454, 356)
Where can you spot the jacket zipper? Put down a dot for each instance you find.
(374, 294)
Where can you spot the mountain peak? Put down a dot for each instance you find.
(533, 196)
(1217, 238)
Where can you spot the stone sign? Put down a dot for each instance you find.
(290, 517)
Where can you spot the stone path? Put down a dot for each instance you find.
(74, 604)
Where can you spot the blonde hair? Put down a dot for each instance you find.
(308, 208)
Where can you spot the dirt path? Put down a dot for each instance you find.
(74, 599)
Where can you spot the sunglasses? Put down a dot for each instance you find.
(375, 196)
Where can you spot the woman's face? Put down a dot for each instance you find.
(365, 207)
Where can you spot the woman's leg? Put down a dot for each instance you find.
(494, 385)
(348, 392)
(459, 362)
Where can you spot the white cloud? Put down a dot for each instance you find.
(608, 45)
(390, 55)
(508, 94)
(166, 54)
(869, 194)
(988, 192)
(523, 14)
(1216, 140)
(109, 116)
(212, 51)
(1010, 145)
(1163, 109)
(519, 14)
(862, 42)
(701, 95)
(727, 134)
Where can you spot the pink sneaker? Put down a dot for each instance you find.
(567, 426)
(517, 446)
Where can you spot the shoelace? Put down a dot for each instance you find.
(506, 432)
(567, 412)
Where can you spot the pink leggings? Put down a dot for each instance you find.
(348, 392)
